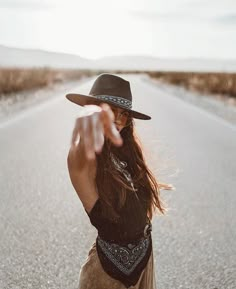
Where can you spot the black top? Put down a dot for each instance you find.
(133, 219)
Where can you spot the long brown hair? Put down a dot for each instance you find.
(112, 186)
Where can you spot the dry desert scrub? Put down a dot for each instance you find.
(18, 79)
(212, 82)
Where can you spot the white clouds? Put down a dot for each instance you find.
(97, 28)
(227, 19)
(170, 17)
(26, 4)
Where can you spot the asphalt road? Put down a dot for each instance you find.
(45, 233)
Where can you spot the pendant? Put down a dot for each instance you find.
(120, 165)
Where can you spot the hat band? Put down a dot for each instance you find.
(116, 100)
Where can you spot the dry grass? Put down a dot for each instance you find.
(16, 80)
(215, 83)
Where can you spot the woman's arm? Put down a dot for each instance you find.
(93, 124)
(82, 175)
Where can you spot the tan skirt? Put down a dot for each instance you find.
(92, 275)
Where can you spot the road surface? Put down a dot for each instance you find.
(45, 232)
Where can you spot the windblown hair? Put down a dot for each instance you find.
(113, 187)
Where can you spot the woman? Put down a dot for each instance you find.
(118, 191)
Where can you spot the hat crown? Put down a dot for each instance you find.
(108, 84)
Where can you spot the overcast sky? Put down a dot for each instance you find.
(97, 28)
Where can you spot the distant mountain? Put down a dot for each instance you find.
(16, 57)
(166, 64)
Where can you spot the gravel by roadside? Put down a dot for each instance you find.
(224, 107)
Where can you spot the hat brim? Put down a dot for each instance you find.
(82, 99)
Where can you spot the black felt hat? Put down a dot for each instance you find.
(110, 89)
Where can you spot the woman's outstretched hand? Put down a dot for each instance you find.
(93, 124)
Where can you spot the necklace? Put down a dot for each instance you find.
(120, 166)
